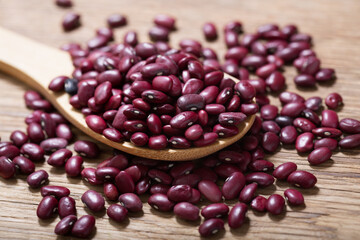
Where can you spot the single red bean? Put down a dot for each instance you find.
(7, 167)
(210, 190)
(157, 142)
(282, 171)
(188, 179)
(292, 109)
(89, 175)
(134, 172)
(210, 31)
(245, 90)
(113, 134)
(111, 192)
(275, 204)
(64, 226)
(351, 141)
(233, 185)
(313, 103)
(25, 165)
(59, 157)
(288, 135)
(319, 155)
(215, 210)
(312, 116)
(237, 215)
(302, 179)
(269, 112)
(304, 124)
(276, 81)
(310, 66)
(83, 227)
(160, 202)
(106, 173)
(67, 206)
(225, 170)
(261, 165)
(73, 166)
(261, 178)
(270, 126)
(116, 20)
(288, 97)
(294, 197)
(18, 138)
(131, 202)
(349, 125)
(117, 212)
(259, 203)
(139, 139)
(327, 132)
(53, 144)
(38, 178)
(330, 143)
(165, 21)
(211, 227)
(304, 142)
(71, 21)
(186, 211)
(143, 185)
(305, 80)
(124, 182)
(56, 191)
(64, 131)
(249, 109)
(47, 207)
(329, 119)
(159, 188)
(158, 33)
(35, 132)
(270, 141)
(93, 200)
(86, 148)
(333, 100)
(325, 74)
(10, 151)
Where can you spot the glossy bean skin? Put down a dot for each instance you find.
(237, 215)
(23, 164)
(282, 171)
(215, 210)
(304, 142)
(59, 157)
(270, 141)
(7, 168)
(83, 227)
(18, 138)
(327, 132)
(64, 226)
(73, 166)
(329, 119)
(261, 178)
(349, 125)
(349, 142)
(86, 148)
(93, 200)
(275, 204)
(330, 143)
(288, 135)
(259, 204)
(117, 212)
(302, 179)
(47, 207)
(32, 151)
(211, 226)
(38, 178)
(179, 193)
(186, 211)
(131, 202)
(160, 202)
(248, 192)
(56, 191)
(66, 207)
(233, 185)
(124, 182)
(294, 197)
(210, 190)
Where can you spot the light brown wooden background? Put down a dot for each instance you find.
(332, 209)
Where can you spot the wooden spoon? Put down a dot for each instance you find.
(37, 64)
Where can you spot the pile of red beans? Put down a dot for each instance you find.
(122, 86)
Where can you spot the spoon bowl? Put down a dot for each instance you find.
(37, 64)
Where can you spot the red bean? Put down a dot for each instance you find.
(165, 21)
(261, 165)
(86, 148)
(349, 142)
(215, 210)
(319, 155)
(261, 178)
(288, 135)
(106, 173)
(304, 142)
(111, 192)
(71, 21)
(305, 80)
(313, 103)
(186, 211)
(276, 81)
(18, 138)
(35, 132)
(237, 215)
(124, 182)
(24, 165)
(288, 97)
(10, 151)
(326, 142)
(329, 119)
(59, 157)
(67, 206)
(325, 74)
(302, 179)
(116, 20)
(304, 124)
(333, 100)
(282, 171)
(210, 190)
(53, 144)
(245, 90)
(7, 167)
(64, 226)
(160, 202)
(211, 227)
(38, 178)
(233, 185)
(131, 202)
(294, 197)
(117, 212)
(292, 109)
(310, 66)
(56, 191)
(269, 112)
(64, 131)
(327, 132)
(275, 204)
(312, 116)
(73, 166)
(83, 227)
(210, 31)
(349, 125)
(248, 192)
(270, 141)
(93, 200)
(47, 207)
(259, 203)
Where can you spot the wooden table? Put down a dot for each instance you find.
(332, 208)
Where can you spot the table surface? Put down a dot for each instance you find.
(332, 208)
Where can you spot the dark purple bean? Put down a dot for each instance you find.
(18, 138)
(292, 109)
(215, 210)
(95, 123)
(304, 124)
(139, 139)
(47, 207)
(327, 132)
(56, 191)
(329, 119)
(113, 134)
(143, 185)
(312, 116)
(237, 53)
(213, 78)
(261, 165)
(24, 165)
(231, 39)
(269, 112)
(249, 109)
(64, 131)
(288, 135)
(116, 20)
(157, 142)
(275, 204)
(192, 86)
(330, 143)
(188, 179)
(305, 80)
(282, 171)
(35, 132)
(113, 76)
(160, 202)
(184, 119)
(117, 212)
(259, 203)
(225, 131)
(270, 141)
(211, 227)
(186, 211)
(302, 179)
(71, 21)
(210, 31)
(319, 155)
(288, 97)
(333, 100)
(294, 197)
(179, 193)
(83, 227)
(248, 192)
(67, 206)
(103, 93)
(93, 200)
(191, 102)
(206, 139)
(73, 166)
(313, 103)
(7, 167)
(124, 182)
(325, 74)
(270, 126)
(233, 185)
(310, 66)
(53, 144)
(64, 226)
(209, 94)
(232, 156)
(194, 132)
(134, 172)
(261, 178)
(106, 173)
(203, 118)
(231, 118)
(304, 142)
(159, 188)
(276, 81)
(181, 169)
(237, 215)
(225, 170)
(349, 125)
(245, 90)
(210, 190)
(38, 178)
(165, 21)
(10, 151)
(158, 33)
(253, 62)
(131, 202)
(86, 148)
(59, 157)
(49, 125)
(111, 192)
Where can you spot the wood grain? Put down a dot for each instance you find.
(332, 209)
